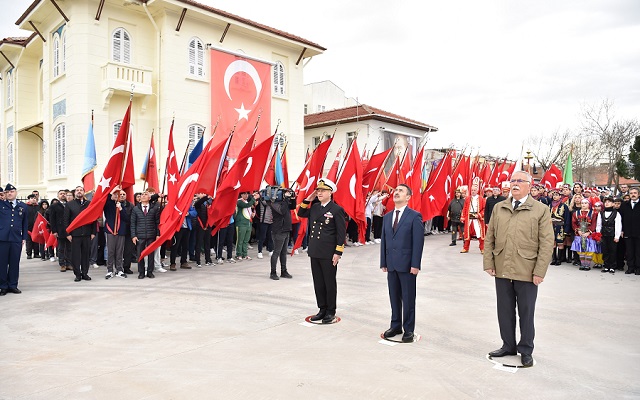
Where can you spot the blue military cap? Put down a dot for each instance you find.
(9, 187)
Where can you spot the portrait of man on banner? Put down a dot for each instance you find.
(240, 92)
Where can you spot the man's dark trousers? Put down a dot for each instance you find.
(80, 250)
(508, 292)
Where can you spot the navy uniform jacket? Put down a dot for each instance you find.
(402, 250)
(13, 222)
(327, 230)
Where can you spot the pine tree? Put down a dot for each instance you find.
(634, 159)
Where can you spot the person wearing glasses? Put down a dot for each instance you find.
(519, 244)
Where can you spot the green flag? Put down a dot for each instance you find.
(567, 175)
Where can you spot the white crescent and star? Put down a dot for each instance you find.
(250, 70)
(352, 186)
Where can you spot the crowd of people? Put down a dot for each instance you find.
(592, 228)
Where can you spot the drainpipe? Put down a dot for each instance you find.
(159, 80)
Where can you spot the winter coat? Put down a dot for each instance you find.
(519, 243)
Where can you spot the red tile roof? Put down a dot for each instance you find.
(360, 113)
(217, 12)
(601, 180)
(20, 41)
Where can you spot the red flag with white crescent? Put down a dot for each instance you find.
(551, 177)
(40, 233)
(436, 194)
(348, 192)
(111, 177)
(240, 91)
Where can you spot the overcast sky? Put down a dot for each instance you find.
(487, 73)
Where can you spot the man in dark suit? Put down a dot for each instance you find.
(80, 237)
(326, 243)
(13, 233)
(400, 257)
(630, 211)
(519, 246)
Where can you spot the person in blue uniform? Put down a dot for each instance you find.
(327, 230)
(13, 233)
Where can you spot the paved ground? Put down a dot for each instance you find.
(230, 332)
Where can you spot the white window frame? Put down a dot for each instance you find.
(64, 51)
(121, 46)
(196, 57)
(351, 136)
(279, 81)
(10, 163)
(9, 87)
(60, 149)
(116, 127)
(195, 132)
(56, 55)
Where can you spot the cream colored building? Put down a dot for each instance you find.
(85, 55)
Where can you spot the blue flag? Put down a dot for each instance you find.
(90, 161)
(193, 156)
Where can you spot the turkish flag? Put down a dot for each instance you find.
(40, 233)
(172, 170)
(197, 179)
(485, 175)
(414, 181)
(392, 178)
(52, 241)
(460, 175)
(128, 175)
(405, 168)
(374, 170)
(240, 93)
(111, 177)
(151, 177)
(551, 177)
(245, 175)
(313, 170)
(270, 175)
(506, 174)
(332, 175)
(306, 182)
(438, 191)
(495, 174)
(348, 194)
(285, 168)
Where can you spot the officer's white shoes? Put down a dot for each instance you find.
(95, 266)
(259, 255)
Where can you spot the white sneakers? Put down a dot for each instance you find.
(52, 259)
(377, 241)
(95, 266)
(270, 253)
(159, 269)
(259, 255)
(121, 274)
(109, 275)
(296, 251)
(220, 261)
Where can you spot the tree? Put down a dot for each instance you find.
(634, 159)
(585, 157)
(599, 122)
(552, 149)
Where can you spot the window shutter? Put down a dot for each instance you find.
(117, 45)
(64, 52)
(56, 56)
(127, 48)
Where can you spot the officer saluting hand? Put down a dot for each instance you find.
(326, 243)
(13, 233)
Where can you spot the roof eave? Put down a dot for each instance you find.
(378, 117)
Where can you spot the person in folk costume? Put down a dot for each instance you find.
(473, 217)
(574, 205)
(583, 222)
(597, 254)
(609, 225)
(537, 194)
(561, 220)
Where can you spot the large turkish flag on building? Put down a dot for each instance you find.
(240, 92)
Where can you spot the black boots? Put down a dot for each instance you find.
(562, 256)
(554, 260)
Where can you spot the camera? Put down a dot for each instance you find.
(276, 193)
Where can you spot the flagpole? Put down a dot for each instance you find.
(184, 158)
(339, 174)
(381, 170)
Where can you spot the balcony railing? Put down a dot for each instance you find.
(116, 76)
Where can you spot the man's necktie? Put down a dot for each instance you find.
(395, 221)
(145, 210)
(516, 204)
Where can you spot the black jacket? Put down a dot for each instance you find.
(201, 208)
(327, 229)
(145, 226)
(56, 218)
(630, 219)
(32, 213)
(71, 211)
(281, 211)
(488, 207)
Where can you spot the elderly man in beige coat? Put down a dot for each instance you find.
(518, 249)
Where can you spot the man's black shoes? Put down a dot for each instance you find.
(78, 279)
(150, 275)
(407, 337)
(501, 353)
(14, 290)
(328, 318)
(86, 278)
(3, 292)
(318, 316)
(389, 333)
(527, 360)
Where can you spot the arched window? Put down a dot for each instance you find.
(9, 89)
(63, 56)
(56, 55)
(278, 79)
(121, 46)
(10, 163)
(59, 140)
(196, 57)
(195, 133)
